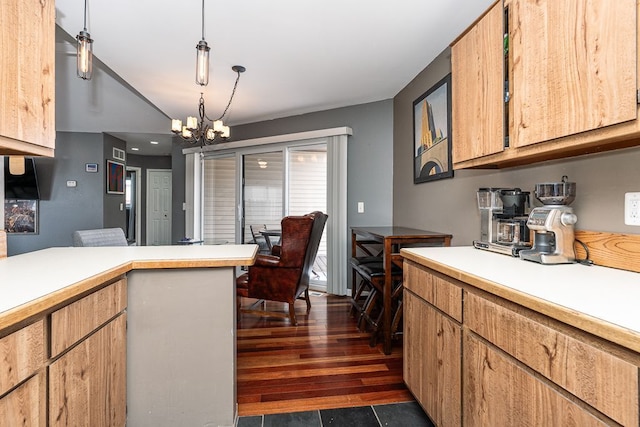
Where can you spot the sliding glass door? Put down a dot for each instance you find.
(262, 191)
(307, 192)
(219, 200)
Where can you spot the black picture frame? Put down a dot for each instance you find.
(432, 133)
(115, 177)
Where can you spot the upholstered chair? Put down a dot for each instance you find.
(283, 275)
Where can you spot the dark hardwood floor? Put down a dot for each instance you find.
(324, 362)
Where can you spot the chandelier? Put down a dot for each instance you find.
(202, 130)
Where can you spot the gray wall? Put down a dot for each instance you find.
(369, 153)
(450, 205)
(64, 209)
(114, 211)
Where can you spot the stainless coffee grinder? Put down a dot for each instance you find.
(553, 224)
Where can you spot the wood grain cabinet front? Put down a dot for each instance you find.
(22, 353)
(432, 343)
(498, 392)
(87, 374)
(567, 71)
(598, 378)
(477, 109)
(26, 405)
(27, 100)
(22, 377)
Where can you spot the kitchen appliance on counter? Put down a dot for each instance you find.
(503, 220)
(553, 224)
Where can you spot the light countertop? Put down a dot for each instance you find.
(32, 281)
(600, 300)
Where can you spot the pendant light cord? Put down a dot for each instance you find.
(85, 15)
(202, 19)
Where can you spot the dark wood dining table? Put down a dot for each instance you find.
(392, 239)
(268, 233)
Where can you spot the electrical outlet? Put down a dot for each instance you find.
(632, 208)
(360, 207)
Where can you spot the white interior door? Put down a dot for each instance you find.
(158, 207)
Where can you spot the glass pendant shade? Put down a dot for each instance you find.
(192, 123)
(85, 55)
(176, 125)
(202, 63)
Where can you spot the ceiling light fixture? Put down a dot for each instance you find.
(202, 58)
(85, 50)
(198, 131)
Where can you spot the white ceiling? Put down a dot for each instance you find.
(301, 55)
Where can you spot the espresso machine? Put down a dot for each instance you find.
(503, 220)
(553, 224)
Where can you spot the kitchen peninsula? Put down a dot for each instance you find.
(80, 326)
(520, 342)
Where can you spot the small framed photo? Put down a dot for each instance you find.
(91, 167)
(21, 216)
(115, 177)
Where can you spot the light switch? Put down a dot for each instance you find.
(360, 207)
(121, 206)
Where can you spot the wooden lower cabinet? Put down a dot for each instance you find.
(432, 352)
(498, 392)
(26, 405)
(505, 365)
(87, 385)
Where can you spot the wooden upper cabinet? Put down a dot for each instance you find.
(573, 67)
(27, 77)
(477, 89)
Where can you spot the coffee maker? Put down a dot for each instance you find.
(553, 224)
(503, 220)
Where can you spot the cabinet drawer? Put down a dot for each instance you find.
(78, 319)
(600, 379)
(434, 288)
(21, 354)
(498, 392)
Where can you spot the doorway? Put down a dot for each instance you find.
(159, 187)
(133, 205)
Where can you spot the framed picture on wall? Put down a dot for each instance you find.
(115, 177)
(21, 216)
(432, 133)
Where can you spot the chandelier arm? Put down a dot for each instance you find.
(233, 92)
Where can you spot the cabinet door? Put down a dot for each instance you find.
(87, 385)
(573, 67)
(27, 37)
(26, 405)
(432, 359)
(477, 89)
(497, 392)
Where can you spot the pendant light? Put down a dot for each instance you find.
(202, 58)
(85, 50)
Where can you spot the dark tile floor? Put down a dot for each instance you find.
(406, 414)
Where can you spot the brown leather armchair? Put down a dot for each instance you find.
(284, 274)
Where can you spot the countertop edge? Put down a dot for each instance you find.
(21, 315)
(619, 335)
